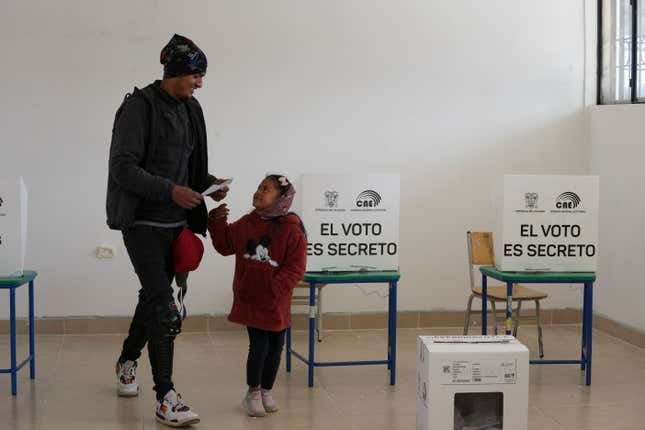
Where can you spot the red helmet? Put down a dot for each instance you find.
(188, 251)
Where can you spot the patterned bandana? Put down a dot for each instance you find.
(182, 57)
(281, 206)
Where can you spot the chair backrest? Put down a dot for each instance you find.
(480, 251)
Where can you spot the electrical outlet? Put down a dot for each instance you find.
(105, 252)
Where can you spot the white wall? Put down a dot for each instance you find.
(451, 94)
(617, 154)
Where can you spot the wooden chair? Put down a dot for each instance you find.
(303, 300)
(480, 253)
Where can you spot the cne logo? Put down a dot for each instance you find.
(368, 199)
(568, 200)
(1, 201)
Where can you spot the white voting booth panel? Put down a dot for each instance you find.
(546, 223)
(352, 222)
(472, 382)
(13, 226)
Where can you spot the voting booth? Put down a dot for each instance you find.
(546, 223)
(472, 382)
(13, 226)
(352, 226)
(352, 222)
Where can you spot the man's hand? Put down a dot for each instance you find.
(185, 197)
(219, 194)
(219, 212)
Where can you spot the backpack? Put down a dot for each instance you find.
(121, 205)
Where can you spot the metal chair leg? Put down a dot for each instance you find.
(492, 305)
(319, 316)
(539, 327)
(468, 311)
(517, 318)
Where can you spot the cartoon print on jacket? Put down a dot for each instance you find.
(260, 251)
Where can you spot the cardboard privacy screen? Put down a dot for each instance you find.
(352, 222)
(547, 223)
(13, 226)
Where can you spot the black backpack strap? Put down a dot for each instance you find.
(153, 134)
(148, 96)
(120, 109)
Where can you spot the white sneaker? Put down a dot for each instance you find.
(172, 412)
(126, 373)
(252, 404)
(268, 402)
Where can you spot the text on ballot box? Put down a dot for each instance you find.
(13, 226)
(472, 382)
(546, 223)
(352, 222)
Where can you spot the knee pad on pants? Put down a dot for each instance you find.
(166, 321)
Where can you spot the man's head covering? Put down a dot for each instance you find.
(182, 57)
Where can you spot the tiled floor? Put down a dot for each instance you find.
(74, 388)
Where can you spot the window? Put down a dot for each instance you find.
(621, 51)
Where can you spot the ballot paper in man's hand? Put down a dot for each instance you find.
(216, 187)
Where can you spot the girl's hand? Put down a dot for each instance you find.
(219, 212)
(220, 194)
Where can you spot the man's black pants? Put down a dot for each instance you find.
(156, 320)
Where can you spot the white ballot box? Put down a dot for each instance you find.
(472, 383)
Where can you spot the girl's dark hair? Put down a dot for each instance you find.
(282, 190)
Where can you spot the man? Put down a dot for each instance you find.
(158, 168)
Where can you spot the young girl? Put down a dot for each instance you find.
(270, 250)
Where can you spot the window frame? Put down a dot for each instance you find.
(634, 75)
